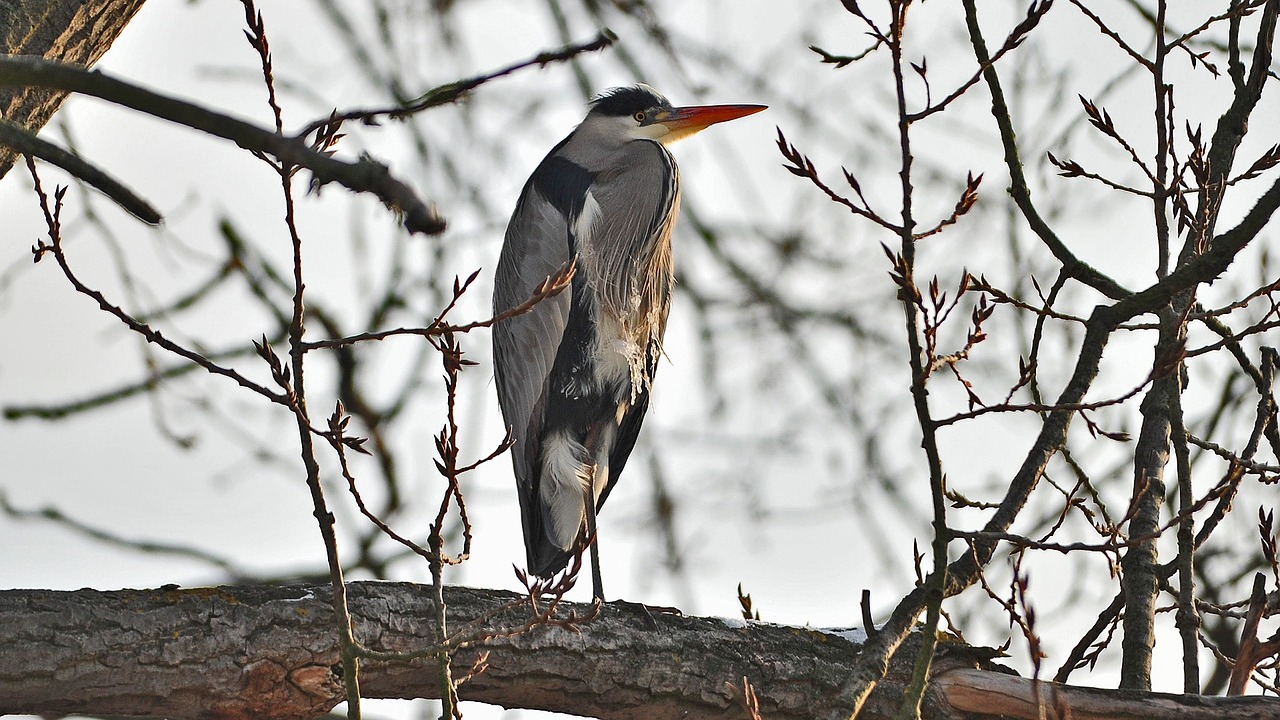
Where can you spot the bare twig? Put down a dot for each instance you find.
(550, 287)
(1035, 13)
(801, 166)
(746, 698)
(54, 247)
(296, 389)
(1120, 42)
(451, 92)
(1252, 650)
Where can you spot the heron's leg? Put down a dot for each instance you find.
(593, 540)
(597, 440)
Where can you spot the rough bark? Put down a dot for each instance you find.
(270, 653)
(73, 31)
(992, 694)
(1141, 563)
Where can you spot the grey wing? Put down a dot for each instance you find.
(524, 347)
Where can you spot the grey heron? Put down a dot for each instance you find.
(574, 375)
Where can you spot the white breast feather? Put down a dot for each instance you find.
(614, 352)
(617, 353)
(585, 223)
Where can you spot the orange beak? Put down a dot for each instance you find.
(685, 121)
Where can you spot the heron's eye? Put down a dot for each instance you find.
(640, 116)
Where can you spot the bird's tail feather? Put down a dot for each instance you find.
(564, 477)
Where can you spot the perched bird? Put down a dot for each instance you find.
(574, 374)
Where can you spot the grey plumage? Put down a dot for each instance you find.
(574, 374)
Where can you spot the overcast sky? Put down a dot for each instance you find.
(826, 536)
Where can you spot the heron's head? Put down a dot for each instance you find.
(639, 112)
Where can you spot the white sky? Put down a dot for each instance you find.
(109, 467)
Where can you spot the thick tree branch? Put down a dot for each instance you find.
(992, 694)
(365, 175)
(74, 31)
(269, 652)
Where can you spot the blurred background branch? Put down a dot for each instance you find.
(782, 451)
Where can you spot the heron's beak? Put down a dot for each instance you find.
(685, 121)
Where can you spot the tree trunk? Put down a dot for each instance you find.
(73, 31)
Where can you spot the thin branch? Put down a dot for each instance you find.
(54, 247)
(1240, 304)
(1018, 187)
(1239, 10)
(551, 286)
(840, 61)
(1263, 469)
(1035, 12)
(27, 143)
(1187, 619)
(1042, 408)
(106, 537)
(451, 92)
(1081, 654)
(1072, 169)
(339, 441)
(801, 166)
(1105, 29)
